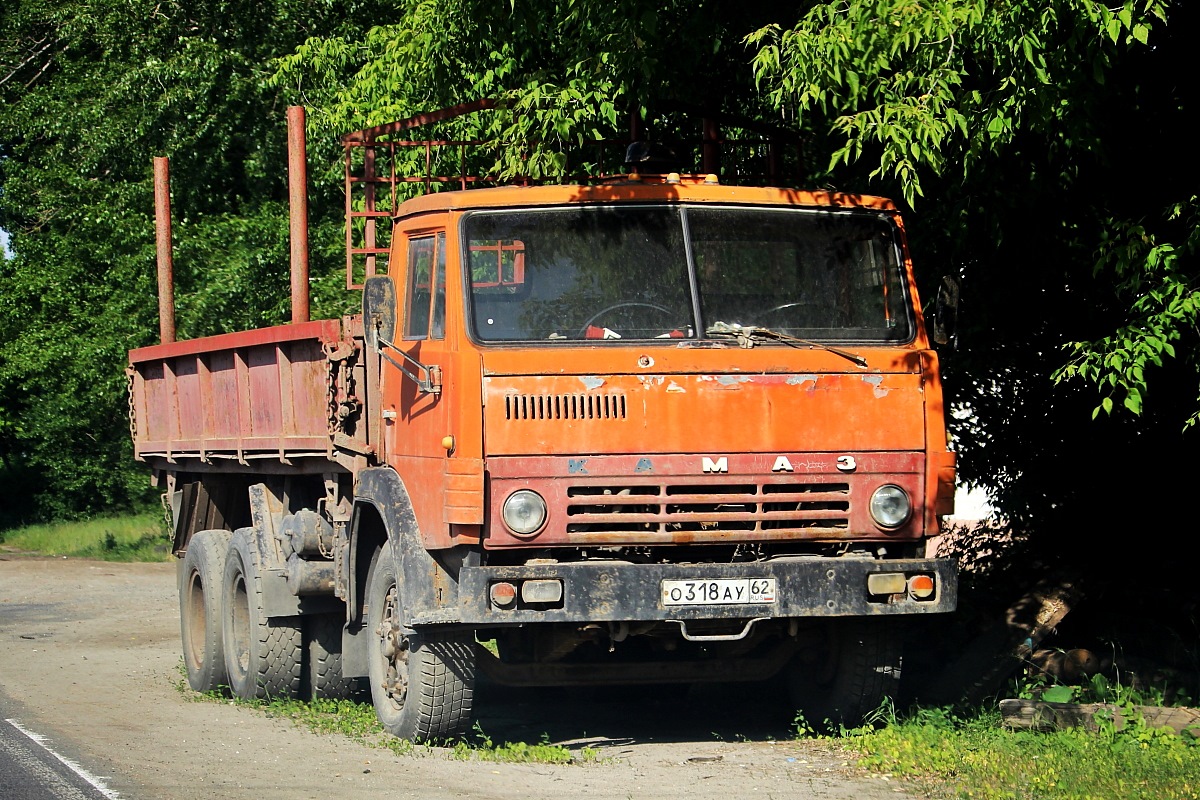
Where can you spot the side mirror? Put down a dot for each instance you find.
(379, 331)
(945, 312)
(379, 310)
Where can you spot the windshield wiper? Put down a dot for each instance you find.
(747, 335)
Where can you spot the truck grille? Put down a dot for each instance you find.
(564, 406)
(708, 506)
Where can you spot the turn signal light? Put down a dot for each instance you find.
(920, 586)
(503, 594)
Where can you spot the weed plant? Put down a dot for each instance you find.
(974, 756)
(1100, 688)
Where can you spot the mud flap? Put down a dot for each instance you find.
(430, 586)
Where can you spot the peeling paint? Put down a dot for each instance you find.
(675, 387)
(731, 380)
(591, 382)
(651, 380)
(876, 381)
(800, 380)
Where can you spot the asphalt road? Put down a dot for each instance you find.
(32, 769)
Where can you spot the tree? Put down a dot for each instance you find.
(916, 89)
(1013, 131)
(88, 93)
(1044, 149)
(564, 73)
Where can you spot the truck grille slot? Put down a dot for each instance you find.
(564, 406)
(708, 507)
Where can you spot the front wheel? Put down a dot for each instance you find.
(849, 675)
(421, 683)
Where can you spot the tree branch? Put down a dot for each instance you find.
(24, 63)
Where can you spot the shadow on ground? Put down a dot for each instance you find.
(634, 714)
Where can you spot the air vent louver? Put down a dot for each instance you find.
(564, 406)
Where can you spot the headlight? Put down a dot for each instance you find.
(524, 512)
(890, 506)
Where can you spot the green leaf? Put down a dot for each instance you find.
(1114, 29)
(1059, 694)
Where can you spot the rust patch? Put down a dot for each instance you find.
(877, 382)
(800, 380)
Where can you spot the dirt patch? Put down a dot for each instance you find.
(89, 656)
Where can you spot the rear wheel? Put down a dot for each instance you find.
(262, 656)
(421, 683)
(200, 610)
(857, 666)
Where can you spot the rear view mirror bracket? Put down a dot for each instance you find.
(945, 312)
(379, 330)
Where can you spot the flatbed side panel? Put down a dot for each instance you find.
(326, 330)
(254, 394)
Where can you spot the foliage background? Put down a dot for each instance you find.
(1041, 149)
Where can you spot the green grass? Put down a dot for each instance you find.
(358, 721)
(481, 746)
(140, 537)
(975, 757)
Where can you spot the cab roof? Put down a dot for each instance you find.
(636, 189)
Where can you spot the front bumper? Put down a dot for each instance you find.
(620, 591)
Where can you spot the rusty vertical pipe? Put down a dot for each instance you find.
(711, 147)
(637, 130)
(298, 204)
(166, 265)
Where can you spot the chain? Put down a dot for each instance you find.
(331, 388)
(168, 517)
(339, 385)
(132, 410)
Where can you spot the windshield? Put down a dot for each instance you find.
(684, 272)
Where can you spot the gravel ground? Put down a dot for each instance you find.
(89, 657)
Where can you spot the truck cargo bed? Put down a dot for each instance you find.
(253, 398)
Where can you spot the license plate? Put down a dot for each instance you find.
(718, 591)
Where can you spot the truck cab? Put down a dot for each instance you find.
(701, 416)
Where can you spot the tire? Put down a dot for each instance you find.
(262, 656)
(200, 610)
(841, 682)
(323, 659)
(422, 684)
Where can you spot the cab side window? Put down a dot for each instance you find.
(438, 329)
(422, 280)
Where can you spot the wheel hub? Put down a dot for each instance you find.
(394, 648)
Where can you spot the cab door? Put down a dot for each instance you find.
(416, 418)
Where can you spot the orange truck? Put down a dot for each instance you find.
(650, 428)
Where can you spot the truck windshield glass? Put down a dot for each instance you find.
(628, 273)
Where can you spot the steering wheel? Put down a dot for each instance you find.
(615, 306)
